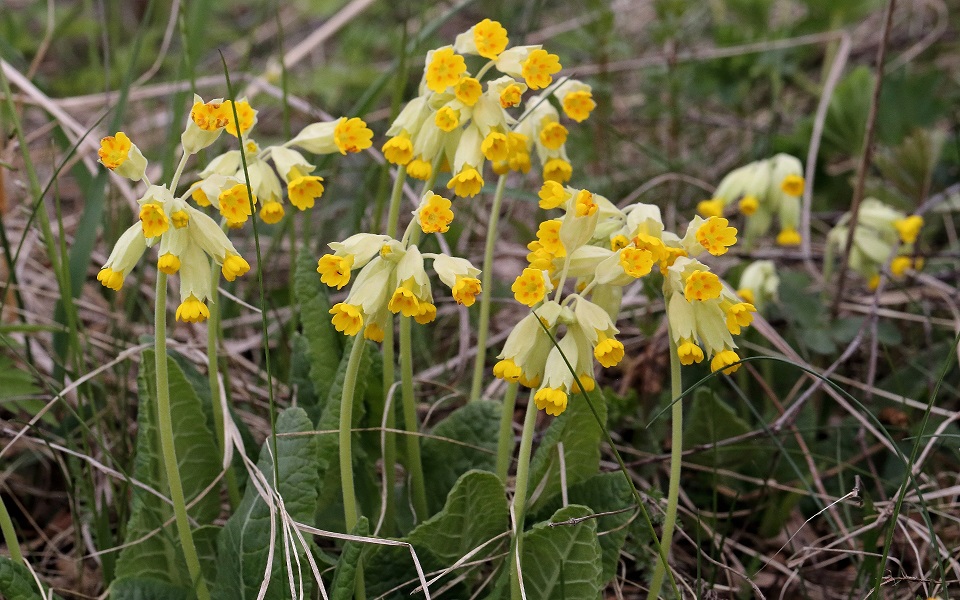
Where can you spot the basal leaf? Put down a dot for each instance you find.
(465, 440)
(157, 556)
(562, 562)
(578, 431)
(243, 543)
(147, 589)
(709, 420)
(325, 343)
(17, 583)
(345, 577)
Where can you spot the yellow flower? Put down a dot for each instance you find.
(419, 169)
(467, 183)
(557, 169)
(716, 236)
(539, 67)
(335, 270)
(153, 220)
(271, 212)
(110, 279)
(792, 185)
(553, 135)
(235, 203)
(465, 290)
(210, 116)
(710, 208)
(789, 237)
(398, 150)
(548, 235)
(192, 310)
(444, 69)
(724, 359)
(507, 370)
(304, 191)
(748, 205)
(468, 90)
(168, 263)
(426, 313)
(447, 119)
(689, 352)
(552, 195)
(373, 332)
(496, 146)
(180, 219)
(352, 135)
(200, 197)
(404, 301)
(551, 400)
(909, 228)
(578, 105)
(619, 242)
(608, 352)
(746, 294)
(899, 265)
(246, 114)
(434, 214)
(347, 318)
(702, 285)
(234, 266)
(636, 262)
(739, 315)
(585, 205)
(530, 287)
(114, 150)
(490, 38)
(510, 96)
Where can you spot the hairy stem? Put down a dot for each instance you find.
(505, 439)
(350, 510)
(520, 492)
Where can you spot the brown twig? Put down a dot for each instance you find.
(866, 155)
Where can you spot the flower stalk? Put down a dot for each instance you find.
(351, 511)
(520, 493)
(165, 427)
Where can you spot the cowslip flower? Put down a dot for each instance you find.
(434, 214)
(759, 283)
(487, 39)
(122, 156)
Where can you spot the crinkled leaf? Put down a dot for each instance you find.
(476, 511)
(710, 420)
(17, 583)
(465, 440)
(243, 544)
(562, 562)
(147, 589)
(157, 556)
(345, 578)
(581, 436)
(300, 375)
(606, 492)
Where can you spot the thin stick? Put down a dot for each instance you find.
(866, 155)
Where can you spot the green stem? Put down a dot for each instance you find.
(520, 491)
(213, 377)
(350, 510)
(676, 455)
(10, 534)
(505, 439)
(389, 372)
(165, 427)
(486, 285)
(418, 487)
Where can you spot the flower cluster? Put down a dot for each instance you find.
(392, 275)
(289, 166)
(604, 248)
(186, 238)
(460, 122)
(759, 283)
(762, 189)
(881, 230)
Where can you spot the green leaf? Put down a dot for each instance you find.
(328, 448)
(561, 562)
(476, 511)
(158, 556)
(345, 578)
(325, 343)
(300, 375)
(476, 427)
(17, 583)
(581, 436)
(710, 420)
(606, 492)
(147, 589)
(17, 389)
(244, 541)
